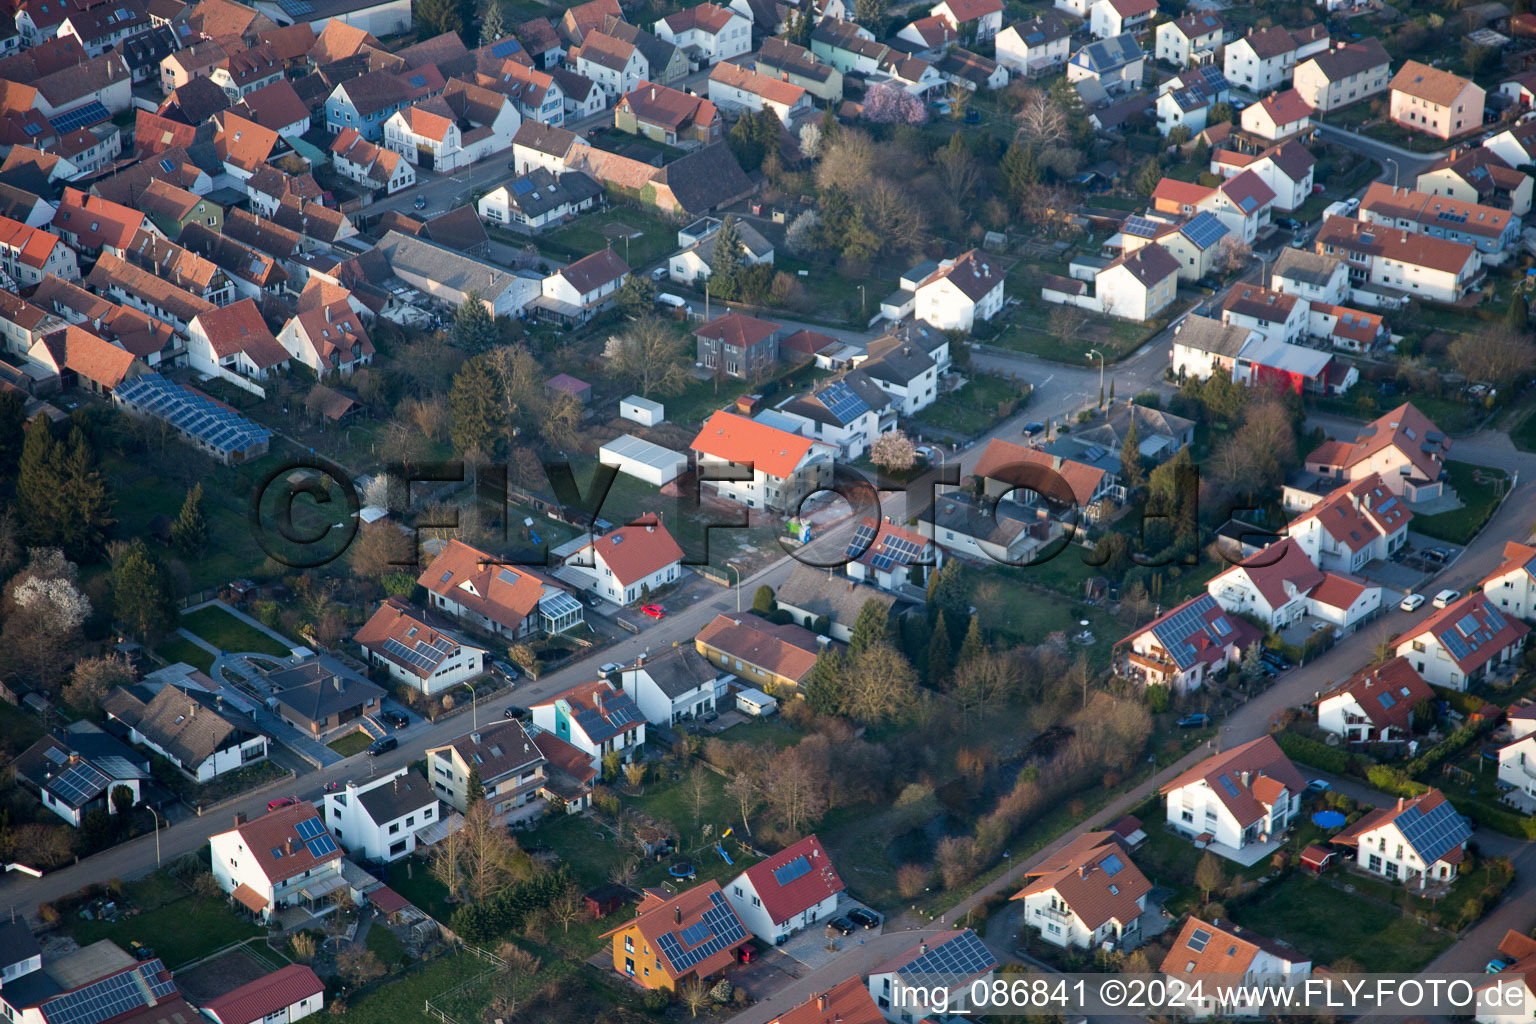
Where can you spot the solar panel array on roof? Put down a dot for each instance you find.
(1198, 940)
(1141, 227)
(962, 956)
(522, 186)
(862, 537)
(894, 551)
(1204, 230)
(1435, 833)
(1177, 631)
(425, 655)
(506, 48)
(309, 828)
(842, 403)
(786, 873)
(1227, 784)
(718, 929)
(321, 846)
(296, 8)
(79, 117)
(81, 782)
(418, 81)
(195, 415)
(111, 996)
(1112, 865)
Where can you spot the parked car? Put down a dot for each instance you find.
(505, 670)
(282, 801)
(655, 611)
(611, 667)
(1411, 603)
(1194, 721)
(513, 711)
(1033, 428)
(1276, 659)
(659, 274)
(1289, 223)
(420, 203)
(840, 925)
(863, 918)
(1445, 597)
(1318, 786)
(1498, 964)
(396, 719)
(382, 746)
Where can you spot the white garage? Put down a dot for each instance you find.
(643, 460)
(642, 411)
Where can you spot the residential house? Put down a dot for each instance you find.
(1110, 18)
(1229, 963)
(674, 940)
(762, 653)
(847, 1002)
(779, 58)
(694, 263)
(1492, 231)
(678, 685)
(321, 696)
(430, 132)
(1480, 176)
(827, 604)
(960, 292)
(376, 168)
(1029, 49)
(1238, 802)
(1346, 74)
(580, 290)
(1274, 316)
(449, 276)
(1462, 643)
(1359, 522)
(1375, 705)
(285, 996)
(380, 819)
(1388, 266)
(907, 364)
(740, 346)
(539, 97)
(1278, 116)
(929, 37)
(1517, 764)
(709, 34)
(1280, 585)
(233, 342)
(503, 758)
(98, 31)
(171, 209)
(1186, 99)
(75, 773)
(890, 557)
(783, 467)
(1006, 469)
(615, 65)
(28, 255)
(987, 531)
(416, 650)
(1191, 40)
(668, 62)
(596, 718)
(735, 88)
(934, 978)
(285, 858)
(254, 273)
(188, 727)
(847, 46)
(243, 72)
(788, 892)
(1185, 646)
(667, 115)
(1516, 146)
(1403, 447)
(365, 103)
(975, 20)
(971, 71)
(541, 145)
(496, 598)
(1429, 100)
(1202, 346)
(328, 339)
(1139, 285)
(539, 199)
(1243, 203)
(581, 97)
(1420, 840)
(584, 18)
(92, 224)
(1087, 894)
(1310, 276)
(1512, 584)
(851, 412)
(1264, 59)
(627, 565)
(1115, 65)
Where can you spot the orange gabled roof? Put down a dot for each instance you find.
(1095, 876)
(681, 917)
(638, 550)
(505, 594)
(1185, 193)
(747, 442)
(1203, 948)
(1026, 467)
(847, 1002)
(1385, 693)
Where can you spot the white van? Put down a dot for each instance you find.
(674, 301)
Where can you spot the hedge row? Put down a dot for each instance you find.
(1315, 753)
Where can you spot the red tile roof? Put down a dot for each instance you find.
(1483, 643)
(1357, 513)
(972, 273)
(1430, 84)
(738, 330)
(98, 361)
(397, 619)
(783, 650)
(805, 890)
(1384, 693)
(278, 831)
(265, 996)
(505, 594)
(773, 90)
(747, 442)
(847, 1002)
(659, 916)
(1259, 759)
(1286, 107)
(1026, 467)
(239, 327)
(1083, 874)
(1271, 569)
(969, 10)
(638, 550)
(1339, 591)
(1398, 244)
(1226, 950)
(1184, 193)
(703, 17)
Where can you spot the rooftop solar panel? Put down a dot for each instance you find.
(82, 782)
(85, 114)
(309, 828)
(962, 956)
(321, 846)
(861, 540)
(1112, 865)
(796, 868)
(1198, 939)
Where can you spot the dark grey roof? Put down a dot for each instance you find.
(17, 944)
(966, 514)
(397, 797)
(186, 723)
(705, 178)
(816, 406)
(544, 138)
(657, 51)
(1305, 266)
(1207, 335)
(531, 194)
(50, 758)
(321, 687)
(199, 100)
(898, 362)
(1106, 55)
(679, 670)
(818, 592)
(497, 751)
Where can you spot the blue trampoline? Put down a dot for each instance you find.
(1328, 819)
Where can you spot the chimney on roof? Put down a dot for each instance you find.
(239, 818)
(1399, 803)
(336, 680)
(474, 738)
(1246, 778)
(288, 845)
(821, 1002)
(677, 915)
(922, 947)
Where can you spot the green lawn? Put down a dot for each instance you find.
(978, 405)
(588, 849)
(1330, 924)
(1029, 329)
(418, 886)
(351, 743)
(180, 932)
(228, 633)
(383, 942)
(1479, 489)
(179, 648)
(835, 294)
(651, 238)
(404, 994)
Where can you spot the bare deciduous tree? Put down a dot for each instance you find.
(881, 685)
(747, 792)
(984, 683)
(1041, 120)
(1495, 355)
(650, 356)
(847, 163)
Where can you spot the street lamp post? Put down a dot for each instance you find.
(1095, 352)
(151, 810)
(474, 707)
(732, 566)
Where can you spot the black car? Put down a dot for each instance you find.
(1031, 429)
(1289, 223)
(382, 746)
(515, 712)
(1194, 721)
(396, 719)
(863, 918)
(1275, 660)
(840, 925)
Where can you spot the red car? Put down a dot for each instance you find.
(282, 801)
(655, 611)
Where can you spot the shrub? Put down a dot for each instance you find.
(1314, 752)
(911, 879)
(1158, 698)
(657, 1000)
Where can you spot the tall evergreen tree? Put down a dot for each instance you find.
(1133, 472)
(1020, 172)
(13, 428)
(972, 646)
(873, 626)
(1515, 318)
(726, 260)
(495, 24)
(474, 790)
(39, 487)
(476, 410)
(825, 684)
(141, 595)
(941, 654)
(474, 329)
(189, 533)
(86, 501)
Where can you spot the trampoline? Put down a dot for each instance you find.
(681, 869)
